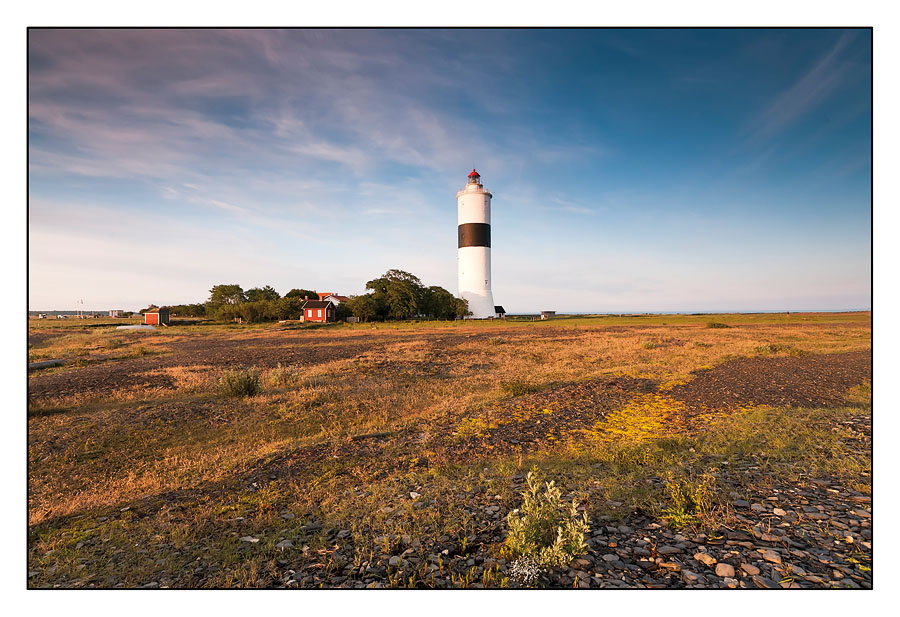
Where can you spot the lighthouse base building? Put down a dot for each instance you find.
(474, 256)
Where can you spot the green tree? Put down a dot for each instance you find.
(302, 293)
(226, 294)
(342, 312)
(398, 294)
(266, 293)
(290, 307)
(462, 307)
(438, 303)
(364, 307)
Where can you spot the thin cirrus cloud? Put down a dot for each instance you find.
(806, 93)
(329, 154)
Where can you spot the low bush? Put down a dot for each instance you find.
(774, 348)
(518, 387)
(239, 382)
(716, 324)
(689, 498)
(543, 528)
(282, 376)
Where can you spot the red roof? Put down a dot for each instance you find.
(474, 173)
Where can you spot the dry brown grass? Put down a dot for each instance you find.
(90, 453)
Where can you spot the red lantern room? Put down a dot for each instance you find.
(474, 178)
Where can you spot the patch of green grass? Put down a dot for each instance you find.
(689, 498)
(239, 382)
(716, 324)
(777, 348)
(283, 376)
(861, 394)
(519, 387)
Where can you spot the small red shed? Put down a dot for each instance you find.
(157, 316)
(318, 310)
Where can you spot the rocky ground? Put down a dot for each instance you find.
(809, 532)
(814, 535)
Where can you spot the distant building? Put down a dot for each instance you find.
(548, 314)
(318, 310)
(499, 312)
(116, 312)
(335, 299)
(157, 316)
(324, 294)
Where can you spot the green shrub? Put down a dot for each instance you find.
(518, 387)
(239, 382)
(716, 324)
(283, 376)
(689, 498)
(649, 345)
(774, 348)
(544, 529)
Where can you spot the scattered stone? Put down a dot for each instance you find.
(764, 583)
(670, 565)
(778, 512)
(668, 550)
(771, 556)
(706, 559)
(758, 507)
(740, 503)
(724, 570)
(690, 577)
(750, 569)
(250, 539)
(414, 495)
(284, 544)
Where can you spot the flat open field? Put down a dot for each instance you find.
(706, 450)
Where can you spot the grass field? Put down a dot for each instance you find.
(390, 454)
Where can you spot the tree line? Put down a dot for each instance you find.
(394, 295)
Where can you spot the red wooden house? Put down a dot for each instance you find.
(157, 316)
(318, 310)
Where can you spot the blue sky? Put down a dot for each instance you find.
(632, 170)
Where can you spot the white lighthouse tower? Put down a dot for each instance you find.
(474, 257)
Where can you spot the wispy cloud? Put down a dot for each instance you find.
(807, 93)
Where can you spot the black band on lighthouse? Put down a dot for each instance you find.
(474, 234)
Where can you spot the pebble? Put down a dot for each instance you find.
(250, 539)
(771, 556)
(778, 512)
(706, 559)
(691, 577)
(668, 550)
(724, 570)
(750, 569)
(284, 544)
(610, 557)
